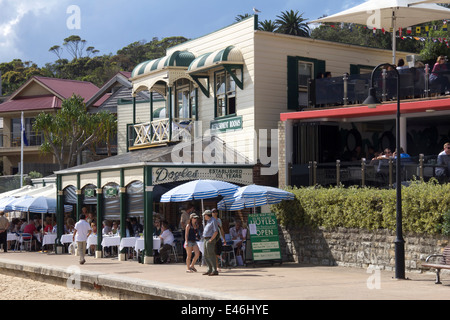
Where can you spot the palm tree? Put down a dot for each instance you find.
(241, 17)
(267, 25)
(292, 23)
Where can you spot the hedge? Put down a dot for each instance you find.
(425, 208)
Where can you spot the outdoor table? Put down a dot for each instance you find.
(67, 238)
(127, 242)
(91, 240)
(49, 238)
(110, 241)
(12, 237)
(139, 246)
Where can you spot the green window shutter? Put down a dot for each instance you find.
(320, 65)
(292, 81)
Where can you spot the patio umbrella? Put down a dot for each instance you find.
(253, 196)
(199, 190)
(9, 206)
(39, 204)
(385, 14)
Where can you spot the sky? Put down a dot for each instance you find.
(29, 28)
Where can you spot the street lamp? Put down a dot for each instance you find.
(371, 102)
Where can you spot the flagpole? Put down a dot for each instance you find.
(21, 150)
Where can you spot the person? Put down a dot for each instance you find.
(210, 234)
(221, 239)
(437, 76)
(69, 225)
(237, 233)
(157, 227)
(192, 235)
(167, 240)
(81, 232)
(31, 229)
(401, 67)
(23, 225)
(443, 161)
(115, 228)
(48, 227)
(137, 227)
(107, 227)
(4, 225)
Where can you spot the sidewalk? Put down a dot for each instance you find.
(287, 281)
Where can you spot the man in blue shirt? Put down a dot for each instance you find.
(210, 233)
(443, 160)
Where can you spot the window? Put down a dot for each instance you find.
(185, 99)
(305, 72)
(225, 91)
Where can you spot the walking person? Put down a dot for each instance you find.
(210, 234)
(4, 225)
(192, 235)
(81, 232)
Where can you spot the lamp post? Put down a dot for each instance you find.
(372, 101)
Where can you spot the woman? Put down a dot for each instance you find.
(438, 77)
(191, 236)
(221, 239)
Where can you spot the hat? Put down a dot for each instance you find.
(207, 213)
(193, 215)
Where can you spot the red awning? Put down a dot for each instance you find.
(364, 111)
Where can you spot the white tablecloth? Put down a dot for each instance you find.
(12, 237)
(127, 242)
(49, 239)
(110, 241)
(139, 246)
(91, 240)
(66, 238)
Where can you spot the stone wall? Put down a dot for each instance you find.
(356, 248)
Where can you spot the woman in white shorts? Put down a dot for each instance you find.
(192, 235)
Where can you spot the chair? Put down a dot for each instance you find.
(228, 251)
(25, 240)
(174, 251)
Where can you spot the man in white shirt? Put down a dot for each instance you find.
(81, 232)
(167, 240)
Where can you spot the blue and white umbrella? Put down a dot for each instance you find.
(38, 204)
(9, 206)
(254, 196)
(199, 190)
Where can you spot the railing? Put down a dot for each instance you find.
(353, 89)
(375, 173)
(13, 140)
(158, 131)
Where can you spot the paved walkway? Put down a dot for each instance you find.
(279, 282)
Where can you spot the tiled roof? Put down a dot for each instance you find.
(66, 88)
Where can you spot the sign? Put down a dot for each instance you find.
(89, 192)
(162, 175)
(233, 123)
(263, 228)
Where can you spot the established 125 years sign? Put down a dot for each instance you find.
(263, 228)
(162, 175)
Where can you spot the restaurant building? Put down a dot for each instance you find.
(221, 99)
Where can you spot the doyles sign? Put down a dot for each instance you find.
(162, 175)
(263, 228)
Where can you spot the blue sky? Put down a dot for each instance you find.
(28, 28)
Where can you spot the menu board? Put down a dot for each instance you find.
(263, 229)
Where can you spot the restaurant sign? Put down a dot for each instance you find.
(263, 228)
(162, 175)
(233, 123)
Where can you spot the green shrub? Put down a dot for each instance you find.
(424, 205)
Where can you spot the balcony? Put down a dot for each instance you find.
(161, 131)
(348, 90)
(12, 139)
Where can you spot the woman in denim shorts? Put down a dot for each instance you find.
(192, 235)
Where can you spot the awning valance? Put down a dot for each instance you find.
(228, 56)
(176, 59)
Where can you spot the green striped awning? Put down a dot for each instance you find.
(176, 59)
(229, 55)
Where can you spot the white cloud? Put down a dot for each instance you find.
(12, 14)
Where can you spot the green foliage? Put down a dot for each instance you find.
(424, 207)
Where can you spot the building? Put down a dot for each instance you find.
(222, 97)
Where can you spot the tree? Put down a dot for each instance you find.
(70, 130)
(267, 25)
(290, 22)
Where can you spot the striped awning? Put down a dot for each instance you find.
(229, 55)
(176, 59)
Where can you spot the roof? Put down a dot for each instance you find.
(31, 103)
(176, 59)
(366, 112)
(163, 155)
(104, 93)
(228, 55)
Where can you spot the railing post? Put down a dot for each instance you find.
(345, 78)
(421, 166)
(310, 169)
(363, 172)
(338, 172)
(390, 172)
(383, 92)
(315, 172)
(427, 81)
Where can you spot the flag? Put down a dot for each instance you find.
(24, 135)
(408, 30)
(418, 30)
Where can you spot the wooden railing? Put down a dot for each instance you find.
(159, 131)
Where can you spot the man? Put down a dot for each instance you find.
(167, 240)
(210, 234)
(4, 225)
(443, 160)
(81, 232)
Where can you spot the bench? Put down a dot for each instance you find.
(445, 263)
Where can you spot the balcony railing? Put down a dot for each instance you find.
(374, 173)
(12, 139)
(353, 89)
(159, 131)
